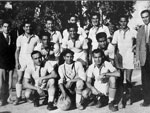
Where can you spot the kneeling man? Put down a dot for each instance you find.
(39, 78)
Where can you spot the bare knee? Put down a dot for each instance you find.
(28, 93)
(80, 84)
(51, 82)
(112, 82)
(86, 93)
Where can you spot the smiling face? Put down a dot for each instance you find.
(49, 25)
(95, 20)
(68, 58)
(145, 17)
(27, 28)
(72, 33)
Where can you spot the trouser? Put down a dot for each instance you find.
(145, 72)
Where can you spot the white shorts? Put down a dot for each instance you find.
(101, 87)
(25, 61)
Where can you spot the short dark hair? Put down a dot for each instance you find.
(145, 11)
(45, 34)
(124, 16)
(98, 51)
(35, 52)
(95, 14)
(101, 35)
(72, 15)
(27, 22)
(66, 51)
(6, 21)
(49, 19)
(72, 25)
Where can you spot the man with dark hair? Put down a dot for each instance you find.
(39, 77)
(73, 19)
(123, 41)
(72, 78)
(78, 46)
(24, 47)
(143, 55)
(6, 64)
(97, 28)
(100, 71)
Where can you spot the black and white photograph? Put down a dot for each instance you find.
(79, 56)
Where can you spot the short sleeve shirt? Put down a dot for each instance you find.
(92, 34)
(94, 72)
(36, 72)
(27, 44)
(68, 72)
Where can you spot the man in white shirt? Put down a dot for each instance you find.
(24, 46)
(55, 35)
(80, 31)
(39, 77)
(72, 78)
(97, 28)
(47, 48)
(101, 71)
(78, 46)
(123, 40)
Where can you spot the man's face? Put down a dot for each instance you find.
(68, 58)
(5, 28)
(72, 20)
(45, 41)
(102, 42)
(72, 33)
(27, 28)
(49, 25)
(95, 20)
(123, 23)
(146, 18)
(97, 58)
(37, 59)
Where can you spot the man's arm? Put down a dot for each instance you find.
(28, 85)
(17, 52)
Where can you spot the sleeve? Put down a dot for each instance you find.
(60, 38)
(28, 73)
(90, 36)
(82, 32)
(115, 38)
(110, 67)
(107, 32)
(134, 33)
(85, 45)
(48, 66)
(89, 72)
(18, 43)
(64, 44)
(80, 71)
(61, 74)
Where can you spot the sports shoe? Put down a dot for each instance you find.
(99, 104)
(112, 107)
(16, 102)
(51, 106)
(45, 102)
(36, 102)
(79, 106)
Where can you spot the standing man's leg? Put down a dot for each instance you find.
(129, 86)
(19, 87)
(2, 78)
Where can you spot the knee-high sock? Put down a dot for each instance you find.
(78, 98)
(19, 90)
(112, 93)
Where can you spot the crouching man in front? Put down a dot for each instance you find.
(101, 71)
(72, 79)
(39, 78)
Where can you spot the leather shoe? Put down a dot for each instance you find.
(144, 104)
